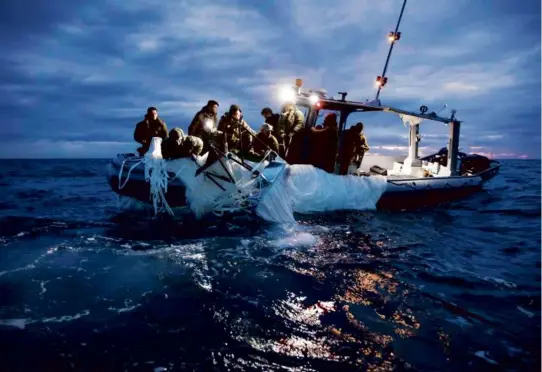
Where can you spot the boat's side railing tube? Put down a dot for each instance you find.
(121, 185)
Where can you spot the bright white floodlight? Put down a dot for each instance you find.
(313, 99)
(287, 94)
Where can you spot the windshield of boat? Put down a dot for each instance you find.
(322, 115)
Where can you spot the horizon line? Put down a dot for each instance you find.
(111, 157)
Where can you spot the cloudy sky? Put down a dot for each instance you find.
(75, 76)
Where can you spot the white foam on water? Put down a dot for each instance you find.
(127, 307)
(64, 318)
(191, 256)
(500, 281)
(526, 312)
(17, 323)
(21, 323)
(460, 321)
(302, 239)
(485, 355)
(126, 203)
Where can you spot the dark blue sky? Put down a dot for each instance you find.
(76, 76)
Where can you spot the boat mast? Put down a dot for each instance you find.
(393, 36)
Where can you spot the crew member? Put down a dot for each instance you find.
(290, 123)
(207, 115)
(270, 118)
(151, 126)
(354, 148)
(177, 145)
(238, 134)
(204, 125)
(265, 140)
(325, 143)
(362, 145)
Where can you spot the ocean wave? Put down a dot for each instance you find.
(24, 226)
(447, 289)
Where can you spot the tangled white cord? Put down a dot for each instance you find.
(239, 199)
(156, 175)
(245, 195)
(121, 185)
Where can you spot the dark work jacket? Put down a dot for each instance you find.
(273, 120)
(148, 128)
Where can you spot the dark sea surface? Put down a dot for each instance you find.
(88, 286)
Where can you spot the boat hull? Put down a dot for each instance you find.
(415, 193)
(400, 194)
(410, 199)
(132, 183)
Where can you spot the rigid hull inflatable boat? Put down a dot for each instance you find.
(411, 183)
(126, 177)
(378, 182)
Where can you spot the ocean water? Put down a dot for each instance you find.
(87, 284)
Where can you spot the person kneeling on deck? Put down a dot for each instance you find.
(177, 145)
(238, 134)
(151, 126)
(265, 140)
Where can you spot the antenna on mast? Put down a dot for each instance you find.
(393, 36)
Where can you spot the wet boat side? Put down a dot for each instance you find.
(401, 193)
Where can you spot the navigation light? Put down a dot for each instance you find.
(381, 81)
(393, 36)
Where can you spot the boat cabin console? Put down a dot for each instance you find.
(313, 102)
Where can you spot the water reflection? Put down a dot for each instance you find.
(356, 311)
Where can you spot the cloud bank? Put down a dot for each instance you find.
(77, 77)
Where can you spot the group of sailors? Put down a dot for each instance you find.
(282, 133)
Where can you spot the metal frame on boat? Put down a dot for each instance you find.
(316, 101)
